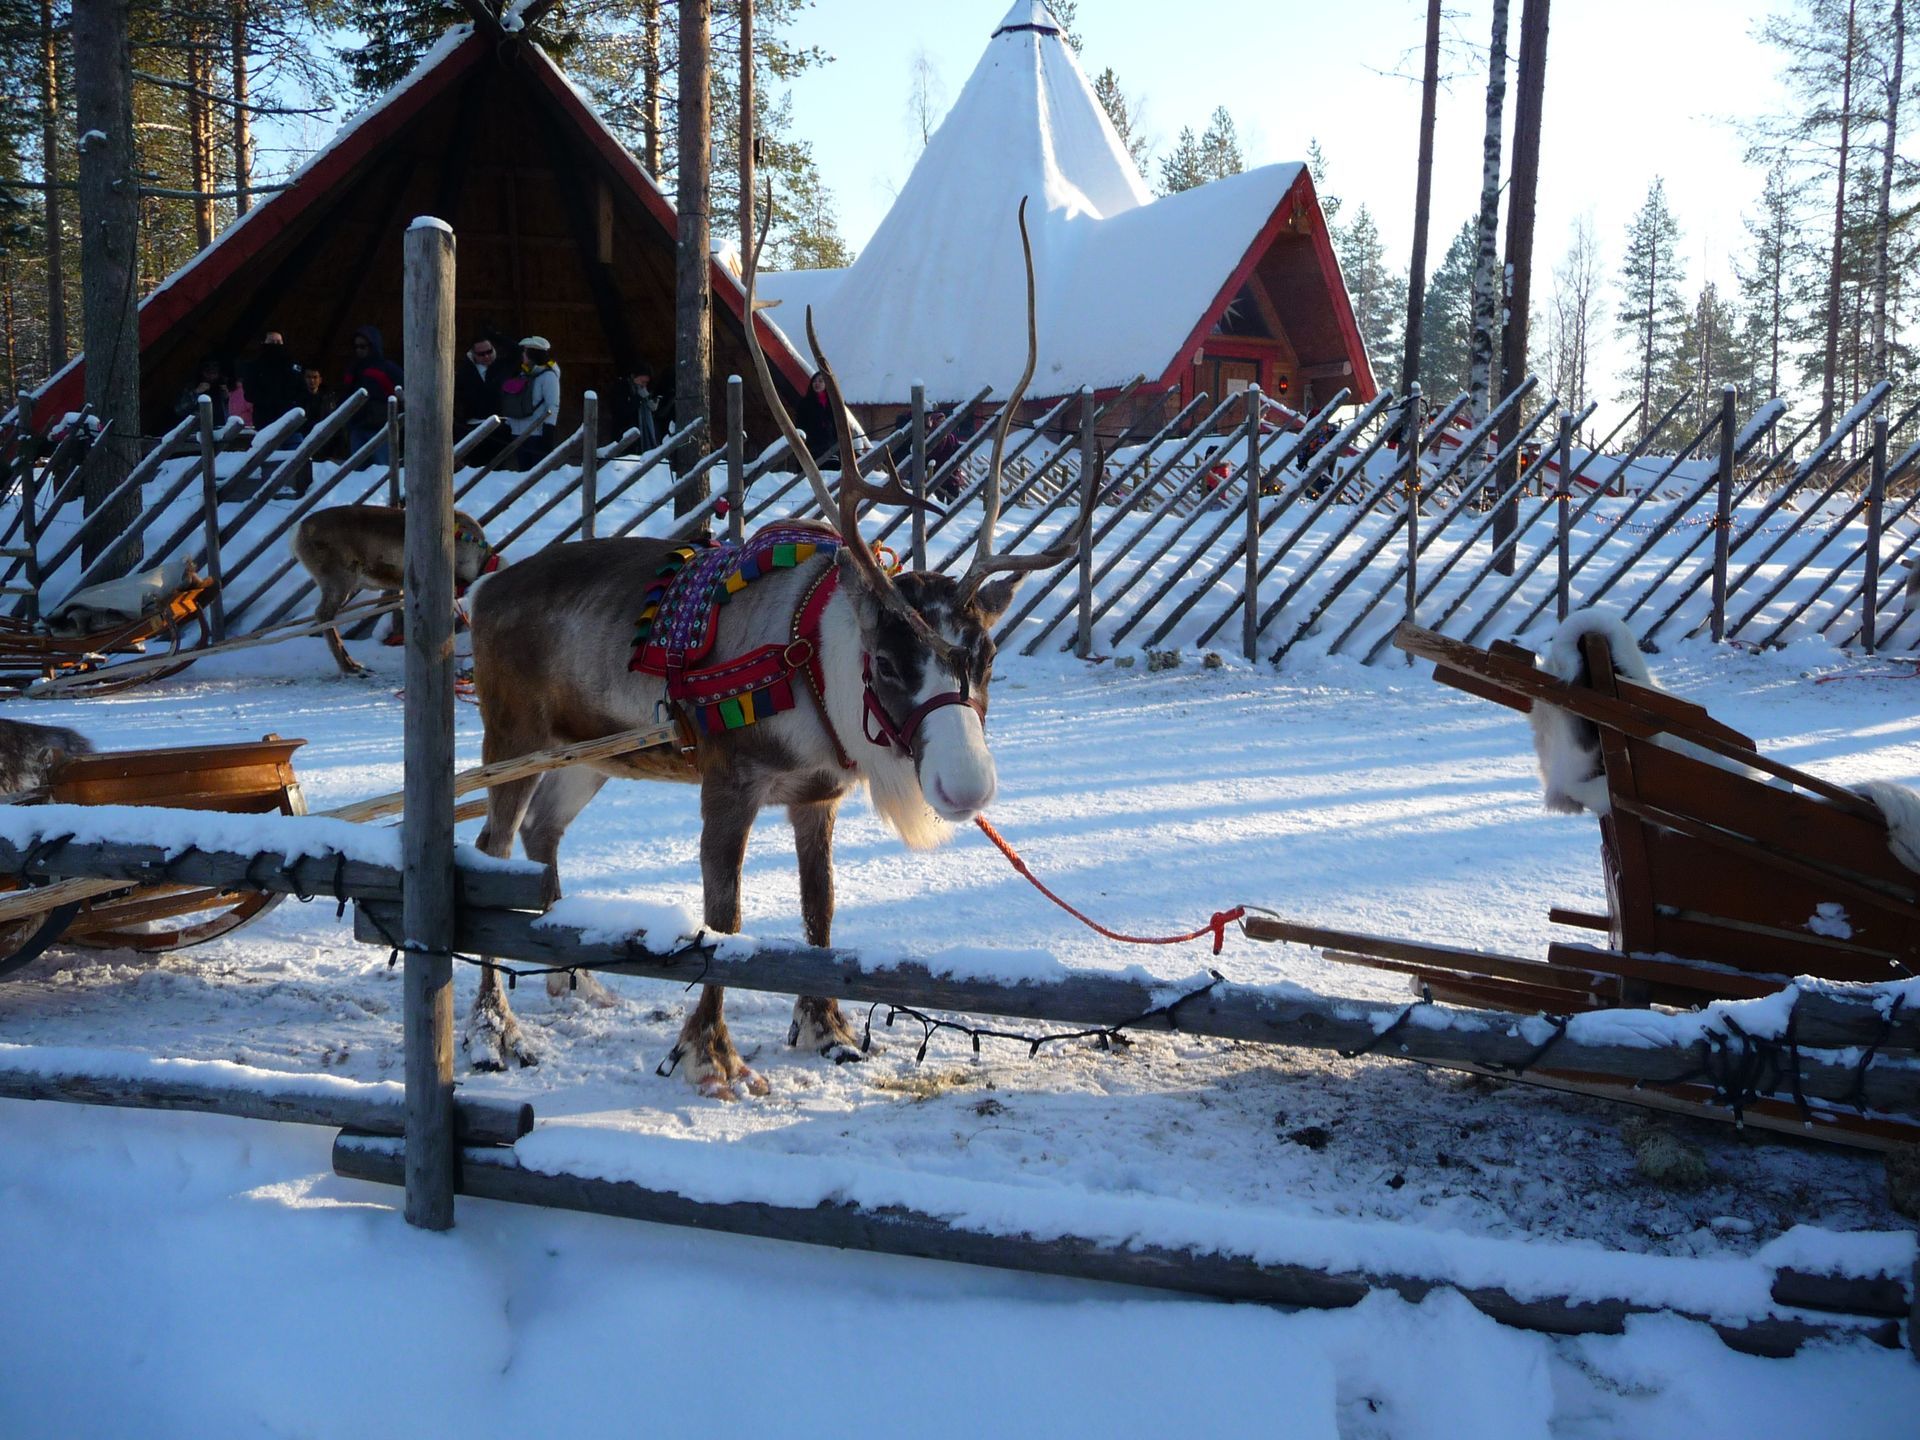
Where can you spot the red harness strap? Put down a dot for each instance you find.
(806, 637)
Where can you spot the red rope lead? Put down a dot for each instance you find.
(1216, 927)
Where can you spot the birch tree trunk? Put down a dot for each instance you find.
(200, 128)
(1831, 363)
(242, 117)
(1883, 218)
(56, 205)
(1488, 296)
(693, 296)
(109, 226)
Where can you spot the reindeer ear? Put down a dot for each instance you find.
(990, 602)
(858, 590)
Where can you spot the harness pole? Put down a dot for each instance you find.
(427, 831)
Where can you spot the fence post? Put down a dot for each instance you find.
(1089, 491)
(1250, 607)
(393, 448)
(1563, 525)
(1876, 508)
(210, 512)
(1413, 505)
(1723, 515)
(589, 462)
(427, 831)
(736, 459)
(918, 461)
(30, 527)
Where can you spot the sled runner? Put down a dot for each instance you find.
(250, 778)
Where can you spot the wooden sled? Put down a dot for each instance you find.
(1721, 884)
(250, 778)
(1728, 873)
(28, 653)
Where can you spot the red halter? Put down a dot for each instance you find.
(806, 640)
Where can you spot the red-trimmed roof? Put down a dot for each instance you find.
(185, 300)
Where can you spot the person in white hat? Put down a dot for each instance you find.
(530, 400)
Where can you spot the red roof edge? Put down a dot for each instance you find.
(184, 291)
(1300, 191)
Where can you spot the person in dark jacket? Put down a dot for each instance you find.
(816, 417)
(636, 407)
(272, 381)
(476, 381)
(370, 370)
(477, 377)
(211, 380)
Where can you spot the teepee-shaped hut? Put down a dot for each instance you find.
(559, 232)
(1229, 284)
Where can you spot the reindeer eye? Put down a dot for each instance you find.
(884, 667)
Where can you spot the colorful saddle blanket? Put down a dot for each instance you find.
(680, 615)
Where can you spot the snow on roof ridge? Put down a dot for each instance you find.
(1030, 15)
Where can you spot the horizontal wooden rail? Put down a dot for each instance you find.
(249, 1094)
(114, 864)
(902, 1230)
(1471, 1038)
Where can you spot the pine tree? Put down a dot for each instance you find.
(1379, 295)
(1772, 275)
(1184, 166)
(1220, 147)
(1446, 321)
(609, 58)
(1710, 353)
(1321, 173)
(1651, 312)
(1066, 12)
(1124, 114)
(394, 34)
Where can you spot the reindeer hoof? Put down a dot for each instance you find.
(841, 1053)
(493, 1037)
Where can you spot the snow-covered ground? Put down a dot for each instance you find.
(182, 1275)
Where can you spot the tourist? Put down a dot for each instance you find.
(816, 417)
(209, 380)
(636, 407)
(371, 371)
(272, 381)
(530, 400)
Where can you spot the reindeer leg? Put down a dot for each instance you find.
(817, 1022)
(557, 798)
(334, 594)
(704, 1046)
(492, 1035)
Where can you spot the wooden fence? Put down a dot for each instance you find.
(1234, 518)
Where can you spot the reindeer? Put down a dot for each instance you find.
(29, 754)
(350, 548)
(895, 699)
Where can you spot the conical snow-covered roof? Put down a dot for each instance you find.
(1126, 284)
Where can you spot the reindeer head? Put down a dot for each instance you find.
(926, 639)
(472, 555)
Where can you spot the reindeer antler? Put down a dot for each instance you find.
(796, 442)
(854, 487)
(985, 561)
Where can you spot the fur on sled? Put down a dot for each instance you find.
(1568, 748)
(29, 752)
(116, 602)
